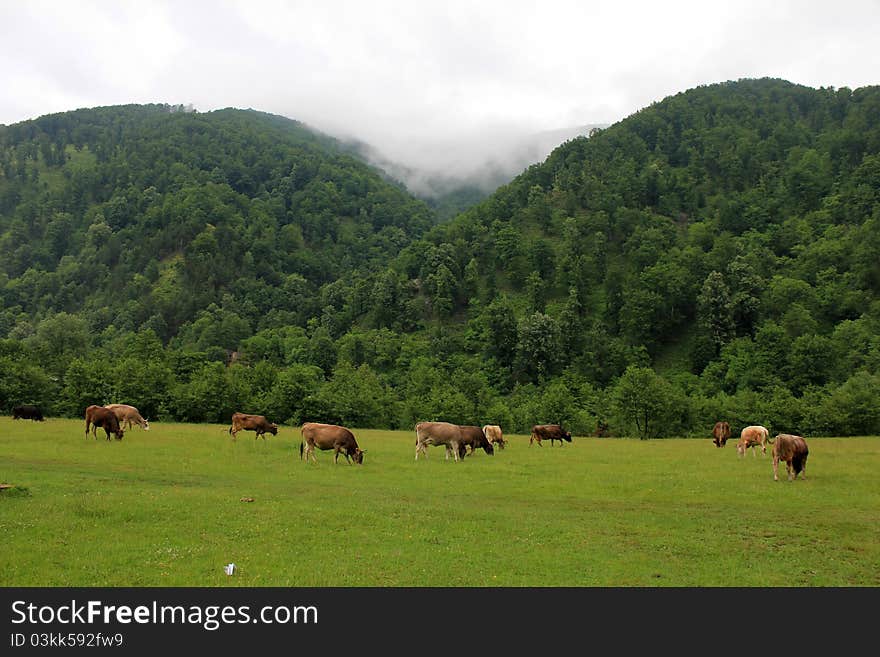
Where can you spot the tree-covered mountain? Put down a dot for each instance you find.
(142, 216)
(714, 256)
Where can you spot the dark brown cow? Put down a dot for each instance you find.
(438, 433)
(27, 412)
(720, 433)
(794, 451)
(330, 436)
(495, 436)
(753, 436)
(98, 416)
(256, 423)
(549, 432)
(473, 437)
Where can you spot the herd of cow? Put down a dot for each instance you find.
(788, 448)
(458, 440)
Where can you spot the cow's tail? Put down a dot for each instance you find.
(769, 441)
(300, 450)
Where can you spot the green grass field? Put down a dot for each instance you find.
(163, 508)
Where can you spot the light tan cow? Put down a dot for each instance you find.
(494, 435)
(127, 414)
(753, 436)
(438, 433)
(794, 451)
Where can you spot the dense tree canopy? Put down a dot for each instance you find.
(718, 251)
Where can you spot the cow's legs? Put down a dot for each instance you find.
(775, 469)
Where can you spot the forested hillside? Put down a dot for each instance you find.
(714, 256)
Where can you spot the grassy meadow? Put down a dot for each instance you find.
(164, 508)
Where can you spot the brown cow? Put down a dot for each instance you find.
(98, 416)
(438, 433)
(127, 414)
(793, 450)
(720, 433)
(330, 436)
(256, 423)
(473, 437)
(752, 436)
(493, 433)
(549, 432)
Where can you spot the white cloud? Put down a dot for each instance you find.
(429, 81)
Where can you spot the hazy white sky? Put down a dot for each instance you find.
(420, 78)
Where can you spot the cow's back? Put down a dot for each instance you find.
(127, 412)
(754, 433)
(472, 434)
(438, 431)
(787, 446)
(238, 421)
(327, 435)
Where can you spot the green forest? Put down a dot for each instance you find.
(714, 256)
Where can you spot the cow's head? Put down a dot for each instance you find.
(119, 431)
(568, 436)
(146, 425)
(358, 455)
(488, 448)
(716, 441)
(273, 429)
(741, 448)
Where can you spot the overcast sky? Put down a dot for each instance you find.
(422, 80)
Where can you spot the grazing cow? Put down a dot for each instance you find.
(794, 451)
(439, 433)
(752, 436)
(256, 423)
(27, 412)
(473, 437)
(127, 414)
(493, 433)
(549, 432)
(720, 433)
(330, 436)
(98, 416)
